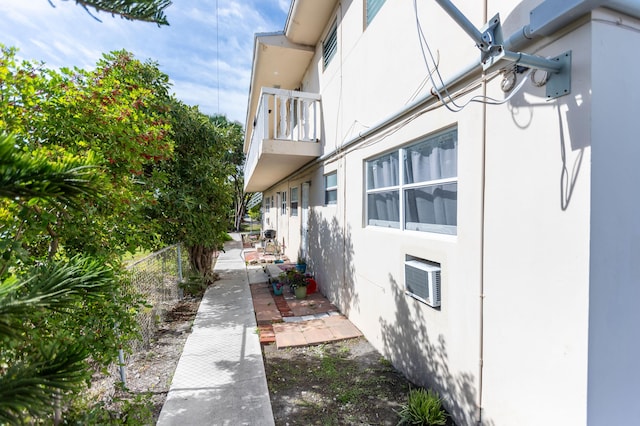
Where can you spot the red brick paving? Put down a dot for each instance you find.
(283, 306)
(271, 309)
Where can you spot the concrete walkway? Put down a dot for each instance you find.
(220, 378)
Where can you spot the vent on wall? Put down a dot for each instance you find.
(422, 281)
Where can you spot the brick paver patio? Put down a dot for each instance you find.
(288, 321)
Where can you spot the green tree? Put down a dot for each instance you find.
(40, 356)
(234, 134)
(76, 185)
(116, 114)
(194, 201)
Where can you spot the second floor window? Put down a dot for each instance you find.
(373, 6)
(330, 45)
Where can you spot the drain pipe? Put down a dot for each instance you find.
(483, 178)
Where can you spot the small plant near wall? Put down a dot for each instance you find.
(301, 264)
(277, 286)
(424, 407)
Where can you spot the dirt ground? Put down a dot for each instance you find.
(341, 383)
(150, 372)
(153, 371)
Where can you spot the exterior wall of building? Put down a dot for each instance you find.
(614, 339)
(360, 267)
(518, 279)
(536, 249)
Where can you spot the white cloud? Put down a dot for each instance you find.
(197, 56)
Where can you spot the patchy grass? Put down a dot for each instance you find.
(343, 383)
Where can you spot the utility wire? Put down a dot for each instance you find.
(480, 99)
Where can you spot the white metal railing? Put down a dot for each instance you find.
(284, 115)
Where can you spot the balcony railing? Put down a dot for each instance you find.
(284, 116)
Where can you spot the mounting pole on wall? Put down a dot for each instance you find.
(493, 53)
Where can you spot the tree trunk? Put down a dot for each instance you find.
(201, 259)
(240, 209)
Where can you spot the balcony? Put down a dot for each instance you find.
(285, 137)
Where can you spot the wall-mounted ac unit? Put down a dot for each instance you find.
(422, 281)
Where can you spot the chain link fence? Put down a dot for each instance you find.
(157, 278)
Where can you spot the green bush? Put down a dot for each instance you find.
(195, 285)
(126, 409)
(423, 408)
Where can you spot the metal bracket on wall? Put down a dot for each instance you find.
(559, 83)
(493, 54)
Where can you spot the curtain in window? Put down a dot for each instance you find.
(383, 172)
(384, 209)
(430, 160)
(431, 205)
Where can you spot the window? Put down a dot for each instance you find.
(283, 199)
(294, 201)
(330, 45)
(416, 187)
(373, 6)
(331, 188)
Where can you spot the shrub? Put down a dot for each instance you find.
(195, 285)
(423, 408)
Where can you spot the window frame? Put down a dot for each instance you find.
(293, 201)
(330, 189)
(330, 45)
(401, 188)
(371, 9)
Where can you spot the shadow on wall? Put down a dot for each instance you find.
(331, 260)
(412, 349)
(573, 135)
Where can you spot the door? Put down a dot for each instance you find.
(304, 219)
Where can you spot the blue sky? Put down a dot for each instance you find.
(198, 57)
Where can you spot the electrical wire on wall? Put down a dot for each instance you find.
(448, 100)
(451, 104)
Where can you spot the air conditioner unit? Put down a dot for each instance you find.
(422, 281)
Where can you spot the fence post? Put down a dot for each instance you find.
(123, 367)
(180, 290)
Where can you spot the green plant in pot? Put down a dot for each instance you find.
(298, 283)
(277, 286)
(301, 264)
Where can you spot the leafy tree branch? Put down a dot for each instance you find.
(133, 10)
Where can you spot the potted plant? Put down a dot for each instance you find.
(301, 264)
(298, 283)
(277, 286)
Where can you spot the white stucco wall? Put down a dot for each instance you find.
(540, 184)
(614, 287)
(360, 268)
(537, 249)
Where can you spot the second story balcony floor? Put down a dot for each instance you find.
(285, 137)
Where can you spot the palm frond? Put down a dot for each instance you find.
(57, 286)
(30, 386)
(133, 10)
(26, 176)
